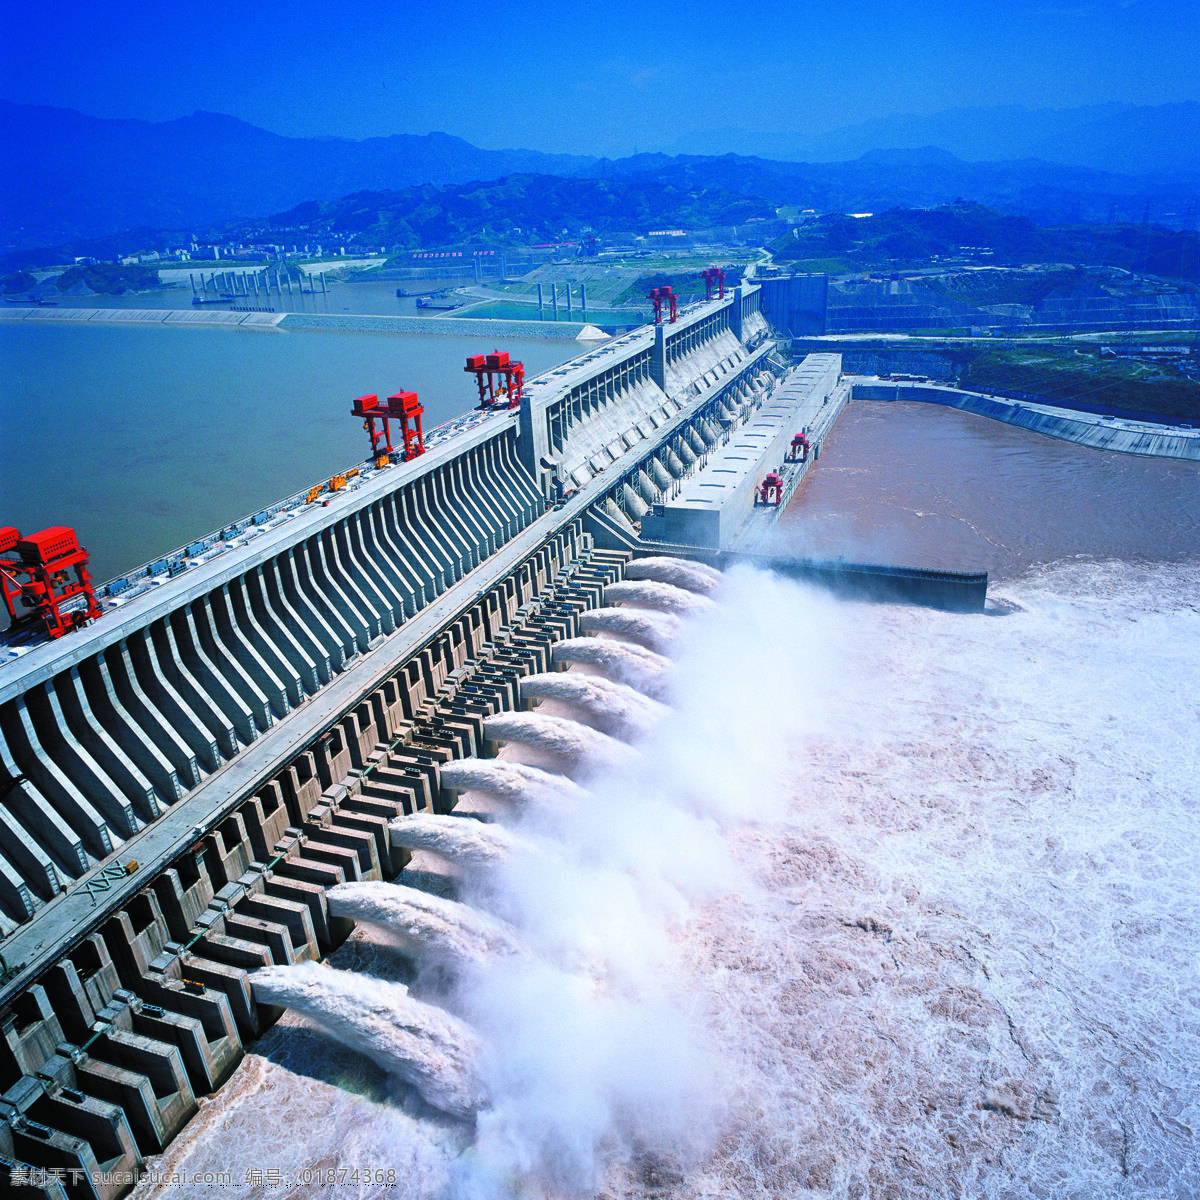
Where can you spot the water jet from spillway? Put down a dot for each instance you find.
(660, 597)
(655, 631)
(462, 840)
(622, 662)
(514, 782)
(579, 747)
(694, 576)
(426, 1047)
(429, 927)
(614, 708)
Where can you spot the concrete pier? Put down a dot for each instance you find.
(718, 506)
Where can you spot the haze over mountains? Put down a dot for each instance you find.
(1124, 139)
(69, 176)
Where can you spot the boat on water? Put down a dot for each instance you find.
(439, 300)
(36, 301)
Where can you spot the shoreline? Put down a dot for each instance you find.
(345, 322)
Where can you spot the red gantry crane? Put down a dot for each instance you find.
(490, 369)
(800, 448)
(403, 407)
(770, 491)
(658, 297)
(35, 573)
(713, 277)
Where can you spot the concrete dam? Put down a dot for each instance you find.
(185, 778)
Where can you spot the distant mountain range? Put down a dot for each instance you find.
(70, 177)
(928, 176)
(1123, 139)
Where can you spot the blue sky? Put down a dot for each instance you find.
(591, 77)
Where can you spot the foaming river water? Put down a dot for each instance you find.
(895, 903)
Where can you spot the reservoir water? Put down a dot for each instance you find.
(895, 903)
(143, 438)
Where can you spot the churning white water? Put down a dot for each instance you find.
(622, 662)
(458, 839)
(970, 964)
(432, 928)
(896, 903)
(417, 1042)
(613, 708)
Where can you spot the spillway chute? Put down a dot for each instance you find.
(622, 662)
(657, 596)
(655, 631)
(514, 783)
(577, 747)
(680, 572)
(462, 840)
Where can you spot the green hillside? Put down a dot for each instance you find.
(968, 232)
(518, 210)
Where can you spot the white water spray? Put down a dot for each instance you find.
(576, 746)
(613, 708)
(432, 928)
(434, 1052)
(462, 840)
(620, 661)
(655, 631)
(596, 1051)
(661, 597)
(694, 576)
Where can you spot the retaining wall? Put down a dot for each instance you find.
(346, 322)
